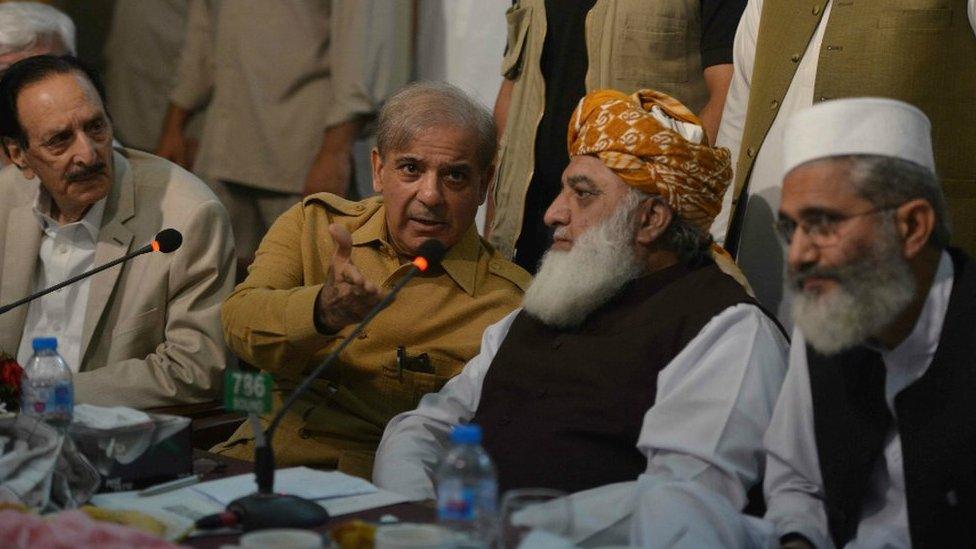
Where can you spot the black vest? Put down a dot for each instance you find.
(936, 423)
(563, 408)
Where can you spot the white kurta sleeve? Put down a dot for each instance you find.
(704, 431)
(414, 440)
(793, 484)
(737, 103)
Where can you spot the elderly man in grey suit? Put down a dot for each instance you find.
(143, 334)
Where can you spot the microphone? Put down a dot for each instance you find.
(264, 508)
(165, 241)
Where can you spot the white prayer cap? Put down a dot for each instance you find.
(862, 125)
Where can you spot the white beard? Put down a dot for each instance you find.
(572, 284)
(871, 292)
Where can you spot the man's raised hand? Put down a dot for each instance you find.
(347, 295)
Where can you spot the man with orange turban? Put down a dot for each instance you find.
(634, 361)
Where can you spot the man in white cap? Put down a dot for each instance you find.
(873, 441)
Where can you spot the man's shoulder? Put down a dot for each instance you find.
(16, 189)
(337, 206)
(160, 176)
(501, 267)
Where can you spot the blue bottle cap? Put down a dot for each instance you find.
(466, 434)
(44, 343)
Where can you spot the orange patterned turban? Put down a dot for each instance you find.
(641, 144)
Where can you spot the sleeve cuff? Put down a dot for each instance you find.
(716, 56)
(300, 321)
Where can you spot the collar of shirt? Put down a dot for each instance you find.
(909, 361)
(460, 262)
(91, 222)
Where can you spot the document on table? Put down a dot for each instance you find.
(339, 493)
(295, 481)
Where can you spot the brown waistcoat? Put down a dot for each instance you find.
(563, 408)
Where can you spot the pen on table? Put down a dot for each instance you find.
(171, 485)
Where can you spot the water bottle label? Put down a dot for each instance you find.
(457, 502)
(50, 400)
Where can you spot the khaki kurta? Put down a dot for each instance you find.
(277, 74)
(268, 321)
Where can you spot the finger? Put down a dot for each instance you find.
(351, 275)
(343, 242)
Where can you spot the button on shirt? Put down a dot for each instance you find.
(66, 251)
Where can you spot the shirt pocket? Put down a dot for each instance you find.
(650, 50)
(518, 18)
(406, 387)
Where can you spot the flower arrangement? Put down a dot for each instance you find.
(10, 376)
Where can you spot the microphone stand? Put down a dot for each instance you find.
(166, 241)
(264, 508)
(144, 250)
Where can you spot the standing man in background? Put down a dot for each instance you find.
(141, 53)
(680, 47)
(788, 57)
(289, 86)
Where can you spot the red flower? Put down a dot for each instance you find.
(10, 374)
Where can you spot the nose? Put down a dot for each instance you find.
(558, 212)
(802, 250)
(429, 190)
(85, 150)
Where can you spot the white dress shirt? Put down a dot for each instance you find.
(66, 251)
(712, 406)
(794, 486)
(762, 259)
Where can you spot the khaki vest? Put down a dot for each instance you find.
(922, 52)
(631, 44)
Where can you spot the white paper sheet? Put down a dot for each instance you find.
(297, 481)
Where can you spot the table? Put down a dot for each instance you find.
(406, 512)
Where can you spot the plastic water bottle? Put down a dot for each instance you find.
(467, 489)
(47, 390)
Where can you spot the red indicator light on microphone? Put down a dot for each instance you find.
(421, 263)
(155, 245)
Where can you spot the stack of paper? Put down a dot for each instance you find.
(296, 481)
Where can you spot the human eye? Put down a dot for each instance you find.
(97, 127)
(408, 168)
(582, 192)
(58, 140)
(822, 223)
(456, 175)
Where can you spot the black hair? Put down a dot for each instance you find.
(29, 71)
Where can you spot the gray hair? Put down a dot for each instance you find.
(23, 24)
(688, 242)
(888, 182)
(422, 106)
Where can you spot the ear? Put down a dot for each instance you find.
(377, 161)
(654, 217)
(486, 180)
(18, 155)
(915, 221)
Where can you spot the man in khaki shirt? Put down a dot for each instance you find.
(327, 261)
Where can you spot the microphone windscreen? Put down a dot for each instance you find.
(167, 240)
(433, 251)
